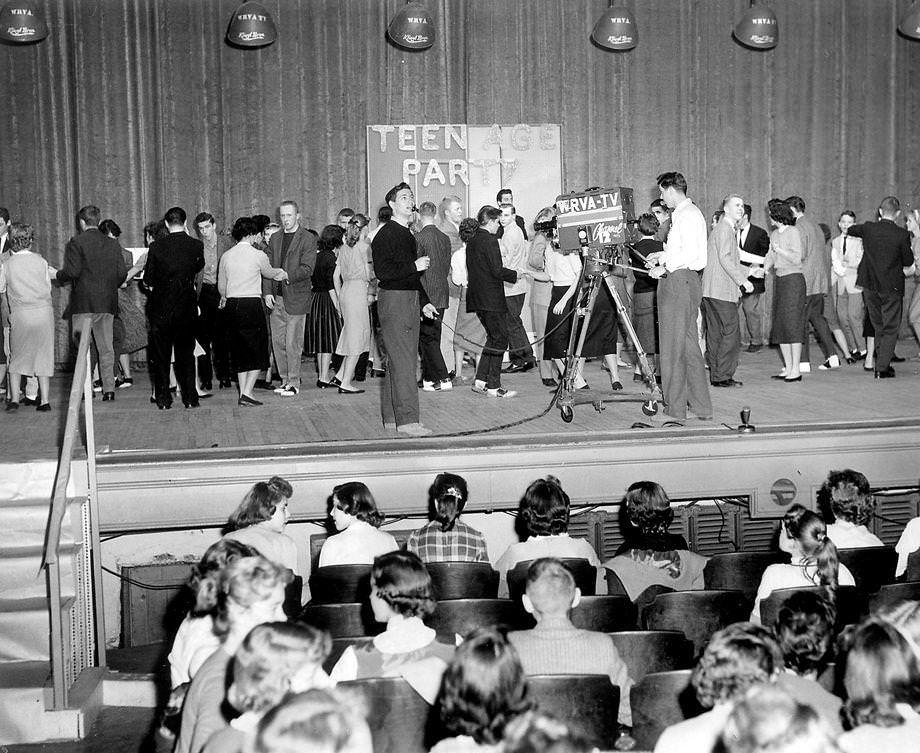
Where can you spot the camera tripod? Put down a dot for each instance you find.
(598, 264)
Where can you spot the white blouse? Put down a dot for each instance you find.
(358, 544)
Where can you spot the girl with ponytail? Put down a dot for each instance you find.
(814, 560)
(447, 538)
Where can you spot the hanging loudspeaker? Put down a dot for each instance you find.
(22, 21)
(251, 26)
(910, 23)
(616, 29)
(758, 28)
(412, 28)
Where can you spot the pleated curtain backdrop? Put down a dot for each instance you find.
(138, 105)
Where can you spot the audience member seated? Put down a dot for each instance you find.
(260, 521)
(483, 689)
(813, 558)
(847, 505)
(251, 592)
(275, 659)
(447, 538)
(555, 646)
(535, 732)
(908, 543)
(543, 520)
(768, 720)
(354, 512)
(195, 639)
(651, 555)
(737, 658)
(882, 682)
(805, 629)
(317, 721)
(401, 597)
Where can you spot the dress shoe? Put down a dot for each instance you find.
(727, 383)
(108, 397)
(335, 382)
(616, 385)
(897, 359)
(322, 385)
(261, 384)
(858, 355)
(11, 406)
(378, 373)
(163, 404)
(248, 402)
(778, 377)
(793, 379)
(346, 391)
(205, 395)
(518, 367)
(753, 348)
(225, 384)
(886, 374)
(30, 401)
(44, 408)
(550, 383)
(191, 404)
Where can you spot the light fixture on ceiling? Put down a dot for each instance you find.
(910, 22)
(616, 29)
(251, 25)
(757, 28)
(412, 27)
(22, 21)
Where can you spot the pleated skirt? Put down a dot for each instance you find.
(324, 325)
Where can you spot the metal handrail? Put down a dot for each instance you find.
(80, 390)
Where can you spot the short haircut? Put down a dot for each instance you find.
(805, 630)
(401, 580)
(796, 203)
(658, 204)
(648, 507)
(204, 581)
(483, 688)
(245, 582)
(502, 192)
(544, 508)
(260, 503)
(735, 659)
(204, 217)
(550, 586)
(4, 214)
(468, 228)
(672, 180)
(890, 205)
(321, 720)
(850, 496)
(243, 228)
(729, 197)
(847, 213)
(780, 212)
(346, 212)
(290, 203)
(648, 224)
(384, 214)
(269, 657)
(110, 227)
(427, 209)
(391, 194)
(747, 210)
(446, 203)
(175, 216)
(354, 498)
(21, 236)
(488, 213)
(506, 205)
(262, 221)
(331, 238)
(446, 498)
(90, 215)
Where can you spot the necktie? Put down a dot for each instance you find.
(844, 247)
(740, 240)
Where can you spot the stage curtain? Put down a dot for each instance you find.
(139, 105)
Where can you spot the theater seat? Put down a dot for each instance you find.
(852, 604)
(604, 613)
(659, 700)
(587, 703)
(460, 616)
(337, 584)
(872, 566)
(892, 593)
(913, 567)
(397, 716)
(739, 571)
(646, 651)
(584, 572)
(697, 614)
(463, 580)
(342, 620)
(338, 647)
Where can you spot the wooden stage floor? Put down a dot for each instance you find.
(848, 396)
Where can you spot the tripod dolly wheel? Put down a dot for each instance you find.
(650, 407)
(567, 413)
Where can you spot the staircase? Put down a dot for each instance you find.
(25, 494)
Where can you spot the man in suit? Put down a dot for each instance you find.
(172, 308)
(886, 255)
(94, 265)
(816, 268)
(294, 251)
(210, 334)
(753, 241)
(723, 280)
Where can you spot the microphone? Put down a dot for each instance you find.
(746, 426)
